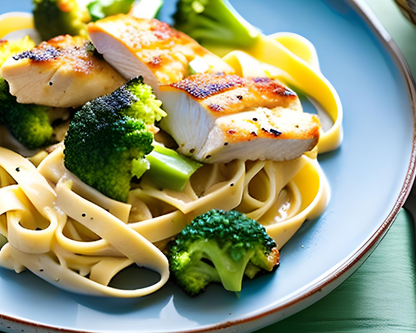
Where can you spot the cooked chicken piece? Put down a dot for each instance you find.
(63, 72)
(218, 118)
(150, 48)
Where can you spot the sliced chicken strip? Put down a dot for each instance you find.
(218, 118)
(150, 48)
(62, 72)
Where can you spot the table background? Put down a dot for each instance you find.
(381, 295)
(400, 29)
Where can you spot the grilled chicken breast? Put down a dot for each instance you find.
(150, 48)
(62, 72)
(218, 118)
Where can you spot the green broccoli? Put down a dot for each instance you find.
(28, 123)
(214, 22)
(220, 246)
(107, 139)
(59, 17)
(169, 169)
(102, 8)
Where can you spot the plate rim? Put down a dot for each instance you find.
(328, 281)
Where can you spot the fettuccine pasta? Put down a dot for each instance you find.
(77, 239)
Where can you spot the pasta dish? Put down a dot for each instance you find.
(77, 238)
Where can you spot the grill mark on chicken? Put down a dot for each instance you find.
(201, 86)
(44, 54)
(267, 85)
(66, 49)
(229, 117)
(206, 85)
(62, 72)
(226, 94)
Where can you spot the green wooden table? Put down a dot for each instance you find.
(381, 295)
(402, 31)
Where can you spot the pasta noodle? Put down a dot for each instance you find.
(77, 239)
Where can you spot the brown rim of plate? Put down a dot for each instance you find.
(343, 270)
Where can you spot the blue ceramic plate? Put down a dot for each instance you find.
(369, 176)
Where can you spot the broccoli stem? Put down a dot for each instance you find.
(168, 169)
(146, 8)
(28, 123)
(202, 268)
(231, 272)
(237, 26)
(103, 8)
(215, 22)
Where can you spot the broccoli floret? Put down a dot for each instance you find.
(220, 246)
(59, 17)
(28, 123)
(144, 104)
(107, 140)
(214, 22)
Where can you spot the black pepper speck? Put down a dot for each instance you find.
(275, 132)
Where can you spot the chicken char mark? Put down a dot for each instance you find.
(231, 93)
